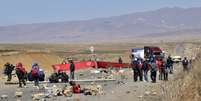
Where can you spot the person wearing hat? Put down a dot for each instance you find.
(72, 69)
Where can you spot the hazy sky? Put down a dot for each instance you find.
(35, 11)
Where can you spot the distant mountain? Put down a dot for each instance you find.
(162, 22)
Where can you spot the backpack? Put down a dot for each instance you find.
(153, 67)
(34, 72)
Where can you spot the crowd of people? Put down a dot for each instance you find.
(154, 65)
(36, 74)
(22, 73)
(140, 67)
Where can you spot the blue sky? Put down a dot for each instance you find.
(36, 11)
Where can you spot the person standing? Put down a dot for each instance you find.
(159, 67)
(120, 60)
(135, 70)
(170, 64)
(166, 66)
(21, 73)
(140, 69)
(185, 64)
(72, 69)
(146, 69)
(8, 70)
(35, 73)
(153, 71)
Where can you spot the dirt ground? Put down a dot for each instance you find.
(113, 91)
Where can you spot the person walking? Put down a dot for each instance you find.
(21, 73)
(35, 73)
(72, 69)
(185, 63)
(8, 70)
(153, 71)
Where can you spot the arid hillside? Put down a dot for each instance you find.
(47, 55)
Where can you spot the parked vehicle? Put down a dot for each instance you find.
(153, 52)
(176, 59)
(138, 53)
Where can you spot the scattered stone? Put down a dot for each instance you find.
(140, 96)
(4, 96)
(127, 92)
(154, 93)
(147, 93)
(67, 91)
(18, 94)
(36, 97)
(93, 89)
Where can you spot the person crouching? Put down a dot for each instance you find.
(35, 74)
(21, 74)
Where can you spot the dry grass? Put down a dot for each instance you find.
(186, 86)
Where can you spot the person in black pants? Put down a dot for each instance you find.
(170, 64)
(21, 73)
(8, 70)
(135, 70)
(146, 69)
(72, 69)
(153, 71)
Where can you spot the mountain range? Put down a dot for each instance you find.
(162, 24)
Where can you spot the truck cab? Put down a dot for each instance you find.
(153, 52)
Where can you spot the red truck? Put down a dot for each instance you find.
(153, 51)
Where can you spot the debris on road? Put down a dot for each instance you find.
(18, 94)
(93, 89)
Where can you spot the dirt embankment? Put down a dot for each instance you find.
(46, 60)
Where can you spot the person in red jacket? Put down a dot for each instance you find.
(159, 65)
(21, 74)
(76, 87)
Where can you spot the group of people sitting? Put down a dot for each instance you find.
(163, 66)
(36, 74)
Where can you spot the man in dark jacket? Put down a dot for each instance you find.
(135, 70)
(72, 69)
(8, 70)
(120, 60)
(146, 69)
(185, 63)
(170, 64)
